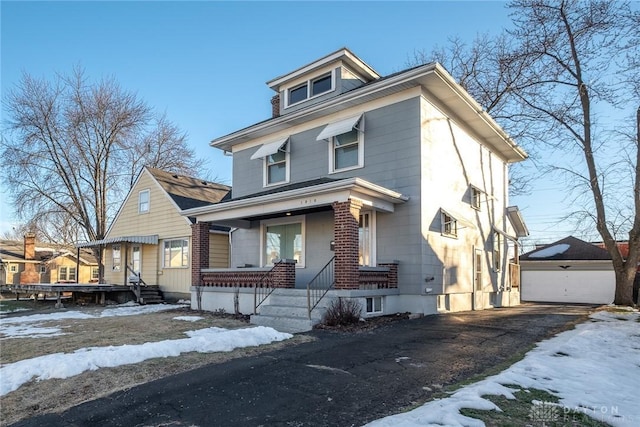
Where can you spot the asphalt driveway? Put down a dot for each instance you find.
(340, 379)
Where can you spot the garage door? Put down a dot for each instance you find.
(589, 287)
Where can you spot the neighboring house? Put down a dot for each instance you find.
(568, 271)
(393, 190)
(31, 262)
(151, 238)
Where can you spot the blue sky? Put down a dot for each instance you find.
(205, 64)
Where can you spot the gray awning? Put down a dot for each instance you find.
(145, 240)
(269, 148)
(516, 220)
(339, 127)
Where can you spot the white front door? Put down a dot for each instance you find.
(136, 258)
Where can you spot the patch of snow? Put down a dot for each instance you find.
(594, 369)
(28, 331)
(550, 251)
(188, 318)
(65, 365)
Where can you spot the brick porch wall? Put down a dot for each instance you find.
(379, 279)
(283, 275)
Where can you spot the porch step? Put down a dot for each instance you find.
(150, 295)
(286, 311)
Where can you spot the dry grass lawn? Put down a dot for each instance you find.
(57, 395)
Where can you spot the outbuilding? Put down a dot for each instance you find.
(568, 271)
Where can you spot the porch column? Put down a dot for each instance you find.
(199, 251)
(346, 216)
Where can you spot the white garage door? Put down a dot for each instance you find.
(589, 287)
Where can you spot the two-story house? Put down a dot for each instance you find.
(391, 190)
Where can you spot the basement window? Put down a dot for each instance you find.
(374, 305)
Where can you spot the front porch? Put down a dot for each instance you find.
(309, 261)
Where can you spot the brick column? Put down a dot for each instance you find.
(284, 274)
(199, 251)
(345, 236)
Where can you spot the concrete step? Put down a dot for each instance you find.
(291, 325)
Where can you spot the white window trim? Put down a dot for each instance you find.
(473, 191)
(140, 211)
(453, 221)
(373, 305)
(114, 266)
(287, 169)
(164, 258)
(97, 271)
(283, 221)
(308, 83)
(332, 152)
(42, 269)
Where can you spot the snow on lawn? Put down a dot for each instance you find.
(64, 365)
(594, 368)
(27, 326)
(188, 318)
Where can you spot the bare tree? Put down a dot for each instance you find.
(69, 147)
(579, 89)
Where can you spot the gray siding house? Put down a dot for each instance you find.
(389, 190)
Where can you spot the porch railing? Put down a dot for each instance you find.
(320, 285)
(135, 279)
(264, 287)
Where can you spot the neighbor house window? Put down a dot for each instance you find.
(346, 151)
(43, 269)
(95, 273)
(13, 268)
(476, 197)
(374, 305)
(67, 274)
(310, 89)
(143, 201)
(116, 256)
(176, 253)
(276, 167)
(449, 225)
(284, 241)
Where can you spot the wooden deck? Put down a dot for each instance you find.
(100, 290)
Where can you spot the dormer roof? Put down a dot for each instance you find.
(343, 55)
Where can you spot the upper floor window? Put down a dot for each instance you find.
(345, 143)
(43, 269)
(13, 268)
(449, 224)
(276, 168)
(475, 197)
(143, 201)
(311, 88)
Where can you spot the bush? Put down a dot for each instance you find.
(342, 312)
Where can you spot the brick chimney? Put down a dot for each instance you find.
(29, 274)
(275, 106)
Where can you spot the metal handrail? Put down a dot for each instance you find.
(136, 284)
(320, 285)
(263, 288)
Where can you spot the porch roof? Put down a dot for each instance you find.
(296, 199)
(146, 240)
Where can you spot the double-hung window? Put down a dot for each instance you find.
(143, 201)
(284, 240)
(67, 274)
(449, 225)
(345, 143)
(276, 161)
(475, 197)
(176, 253)
(116, 257)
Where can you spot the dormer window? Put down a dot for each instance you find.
(310, 89)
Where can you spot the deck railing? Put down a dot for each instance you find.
(320, 285)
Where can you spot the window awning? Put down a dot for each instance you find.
(516, 220)
(462, 221)
(147, 240)
(339, 127)
(269, 148)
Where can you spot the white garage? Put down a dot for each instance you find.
(567, 271)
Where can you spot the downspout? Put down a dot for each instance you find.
(78, 266)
